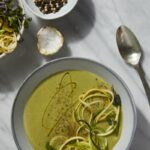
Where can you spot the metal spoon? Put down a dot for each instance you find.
(131, 51)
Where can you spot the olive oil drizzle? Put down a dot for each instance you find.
(60, 87)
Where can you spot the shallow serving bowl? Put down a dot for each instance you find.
(128, 106)
(62, 12)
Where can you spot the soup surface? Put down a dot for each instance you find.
(73, 110)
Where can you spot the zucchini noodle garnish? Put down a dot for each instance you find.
(8, 38)
(96, 107)
(8, 42)
(71, 140)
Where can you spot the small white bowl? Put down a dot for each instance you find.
(21, 30)
(62, 12)
(128, 106)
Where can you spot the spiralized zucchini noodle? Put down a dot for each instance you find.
(8, 42)
(8, 39)
(97, 114)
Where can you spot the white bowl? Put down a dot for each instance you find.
(21, 30)
(128, 106)
(63, 11)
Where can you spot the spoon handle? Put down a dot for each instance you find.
(141, 73)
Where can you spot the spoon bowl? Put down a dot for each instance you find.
(128, 46)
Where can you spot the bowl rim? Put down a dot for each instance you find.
(74, 58)
(50, 18)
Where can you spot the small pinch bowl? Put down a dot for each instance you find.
(62, 12)
(129, 114)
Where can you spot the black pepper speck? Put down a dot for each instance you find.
(50, 6)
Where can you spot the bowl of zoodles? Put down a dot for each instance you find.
(73, 104)
(12, 23)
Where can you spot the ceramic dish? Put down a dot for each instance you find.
(128, 106)
(63, 11)
(21, 30)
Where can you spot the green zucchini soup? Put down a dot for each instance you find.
(73, 110)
